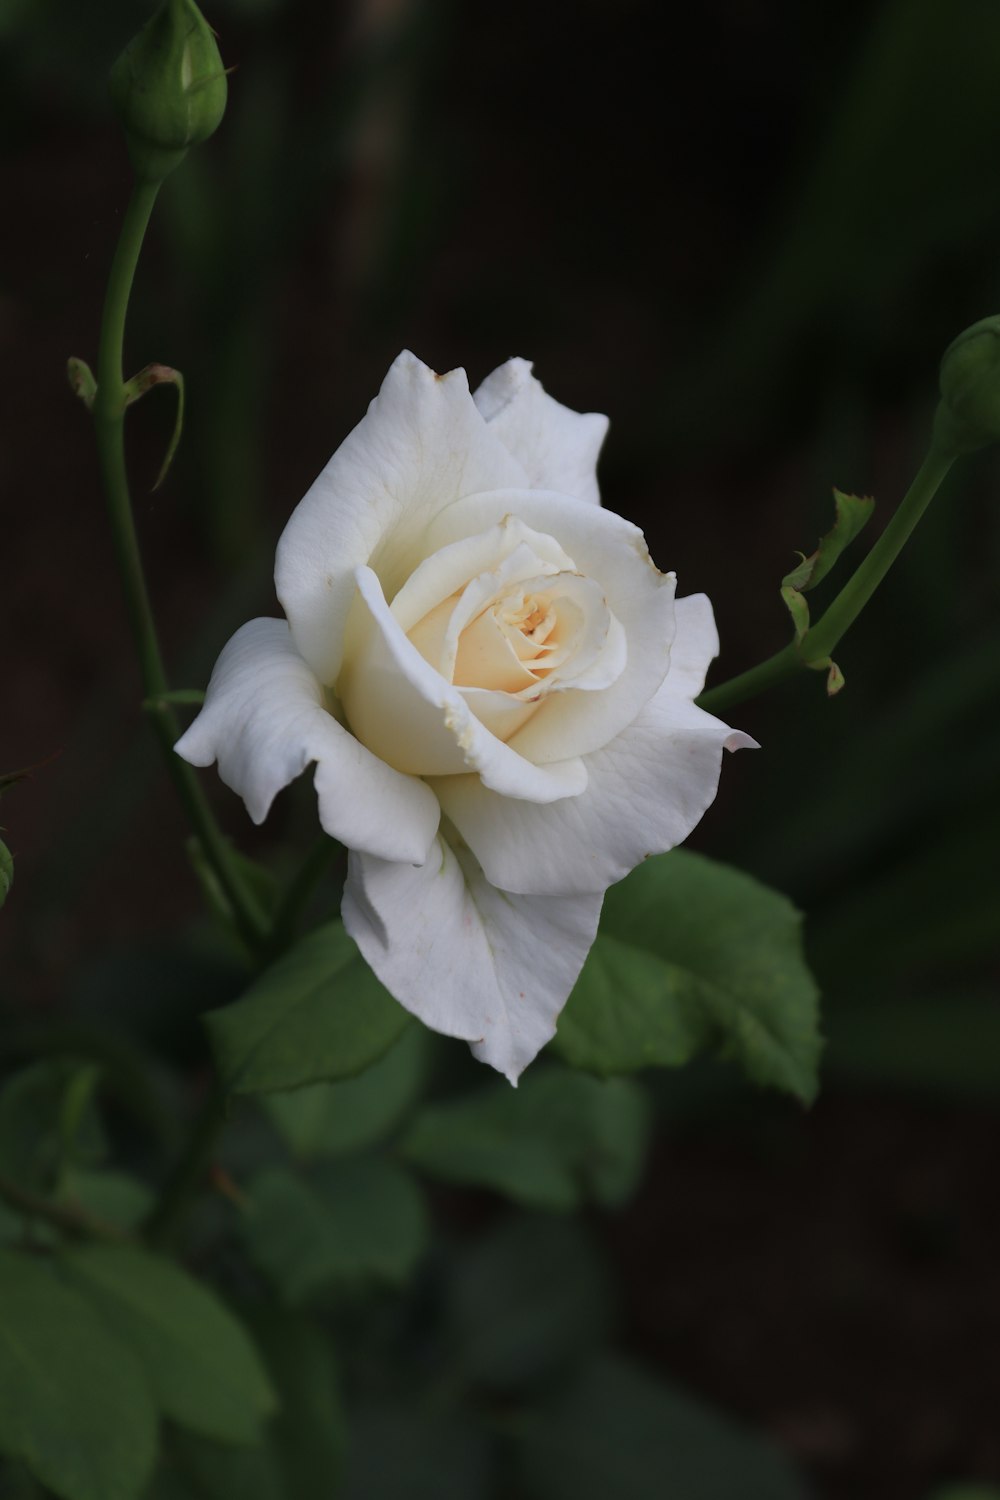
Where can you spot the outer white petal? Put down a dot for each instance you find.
(645, 793)
(469, 960)
(414, 719)
(695, 647)
(264, 721)
(558, 447)
(613, 553)
(422, 445)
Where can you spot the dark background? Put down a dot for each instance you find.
(746, 233)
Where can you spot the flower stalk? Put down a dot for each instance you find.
(108, 409)
(820, 640)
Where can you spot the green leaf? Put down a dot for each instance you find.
(318, 1013)
(6, 871)
(853, 512)
(309, 1433)
(557, 1140)
(358, 1219)
(616, 1430)
(74, 1403)
(199, 1361)
(49, 1121)
(531, 1298)
(692, 953)
(114, 1197)
(332, 1119)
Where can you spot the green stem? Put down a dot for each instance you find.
(190, 1171)
(63, 1216)
(109, 428)
(822, 638)
(298, 894)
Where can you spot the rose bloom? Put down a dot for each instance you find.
(495, 685)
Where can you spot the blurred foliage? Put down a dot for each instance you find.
(754, 257)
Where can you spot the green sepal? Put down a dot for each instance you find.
(148, 377)
(798, 608)
(82, 382)
(968, 414)
(834, 676)
(853, 512)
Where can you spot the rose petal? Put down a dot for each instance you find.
(695, 646)
(449, 569)
(557, 447)
(264, 721)
(422, 445)
(501, 713)
(646, 791)
(612, 552)
(409, 716)
(468, 960)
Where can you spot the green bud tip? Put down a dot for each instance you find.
(968, 416)
(169, 88)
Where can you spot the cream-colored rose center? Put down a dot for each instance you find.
(509, 624)
(512, 644)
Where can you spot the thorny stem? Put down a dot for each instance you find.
(822, 638)
(109, 427)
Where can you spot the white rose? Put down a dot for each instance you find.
(495, 685)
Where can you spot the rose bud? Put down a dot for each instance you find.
(968, 416)
(169, 88)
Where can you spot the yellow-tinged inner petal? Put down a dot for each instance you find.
(510, 644)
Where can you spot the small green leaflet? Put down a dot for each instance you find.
(853, 512)
(6, 871)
